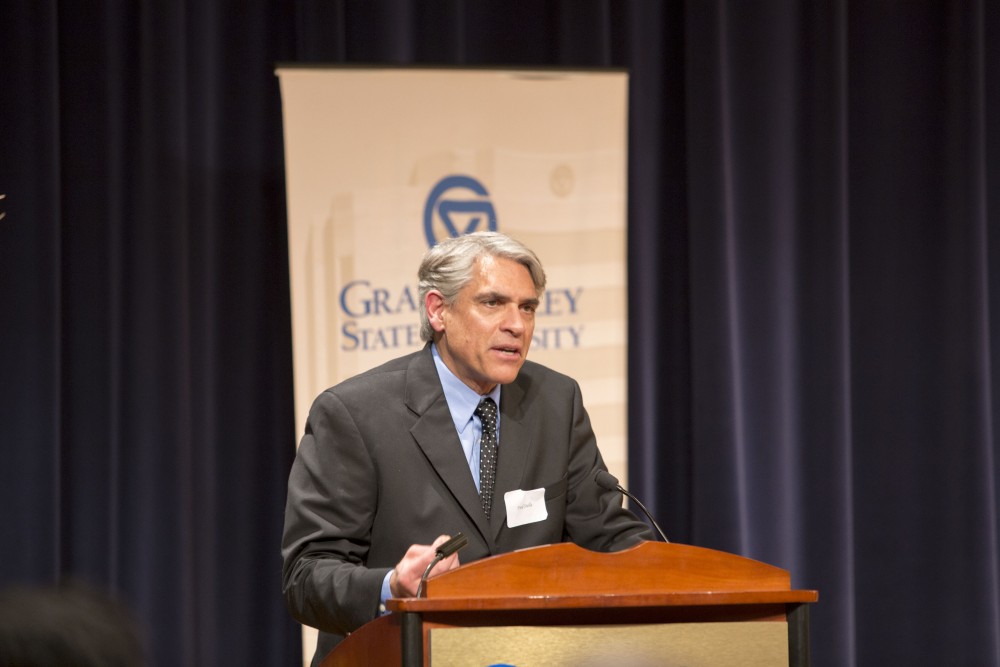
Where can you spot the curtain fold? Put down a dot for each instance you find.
(813, 273)
(147, 419)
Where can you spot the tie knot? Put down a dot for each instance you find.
(487, 411)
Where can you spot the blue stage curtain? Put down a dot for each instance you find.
(812, 191)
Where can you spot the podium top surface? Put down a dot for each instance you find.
(565, 575)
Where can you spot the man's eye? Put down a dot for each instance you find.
(529, 308)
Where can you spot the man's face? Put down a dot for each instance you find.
(483, 337)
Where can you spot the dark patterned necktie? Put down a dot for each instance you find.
(487, 413)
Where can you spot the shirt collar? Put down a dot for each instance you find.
(462, 400)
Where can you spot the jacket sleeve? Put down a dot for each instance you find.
(332, 496)
(595, 518)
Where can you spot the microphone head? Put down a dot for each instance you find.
(606, 480)
(452, 545)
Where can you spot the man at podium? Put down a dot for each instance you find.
(463, 436)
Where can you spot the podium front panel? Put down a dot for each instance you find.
(721, 644)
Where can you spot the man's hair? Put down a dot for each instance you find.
(448, 267)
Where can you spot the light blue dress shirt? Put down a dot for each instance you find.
(462, 402)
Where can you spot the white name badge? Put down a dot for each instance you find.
(525, 507)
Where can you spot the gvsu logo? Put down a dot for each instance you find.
(458, 205)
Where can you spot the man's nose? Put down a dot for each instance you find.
(513, 319)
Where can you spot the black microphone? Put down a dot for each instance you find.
(452, 545)
(443, 551)
(609, 482)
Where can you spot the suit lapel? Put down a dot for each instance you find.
(515, 442)
(434, 432)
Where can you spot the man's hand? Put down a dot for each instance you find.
(405, 578)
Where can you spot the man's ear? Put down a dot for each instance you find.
(436, 309)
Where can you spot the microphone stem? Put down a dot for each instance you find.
(645, 511)
(423, 578)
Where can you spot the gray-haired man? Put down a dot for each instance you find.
(390, 463)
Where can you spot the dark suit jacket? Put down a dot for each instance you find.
(380, 467)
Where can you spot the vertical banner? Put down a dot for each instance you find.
(382, 163)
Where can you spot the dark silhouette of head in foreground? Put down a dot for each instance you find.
(67, 626)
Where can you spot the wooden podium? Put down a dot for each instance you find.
(652, 604)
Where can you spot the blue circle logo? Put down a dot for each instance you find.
(458, 205)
